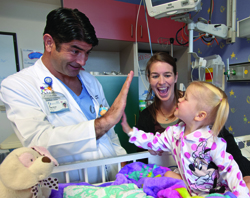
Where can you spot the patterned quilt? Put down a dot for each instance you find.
(134, 180)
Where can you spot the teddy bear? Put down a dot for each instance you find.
(24, 173)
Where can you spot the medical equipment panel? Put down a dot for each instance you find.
(238, 72)
(165, 8)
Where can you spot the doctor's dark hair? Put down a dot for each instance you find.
(66, 25)
(165, 58)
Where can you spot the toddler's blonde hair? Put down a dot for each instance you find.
(214, 101)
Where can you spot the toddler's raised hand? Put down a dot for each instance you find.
(126, 128)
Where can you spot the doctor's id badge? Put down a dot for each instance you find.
(56, 102)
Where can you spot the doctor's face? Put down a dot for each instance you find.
(70, 58)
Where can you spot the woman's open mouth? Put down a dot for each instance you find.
(163, 91)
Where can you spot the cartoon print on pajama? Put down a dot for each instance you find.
(204, 170)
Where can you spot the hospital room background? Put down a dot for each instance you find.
(116, 54)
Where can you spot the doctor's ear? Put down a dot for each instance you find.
(200, 116)
(48, 42)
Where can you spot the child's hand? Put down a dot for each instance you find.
(126, 128)
(155, 152)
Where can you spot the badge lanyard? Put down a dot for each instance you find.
(55, 101)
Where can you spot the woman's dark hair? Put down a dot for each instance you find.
(65, 25)
(162, 57)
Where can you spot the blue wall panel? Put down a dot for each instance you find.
(239, 52)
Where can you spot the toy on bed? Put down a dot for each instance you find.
(24, 172)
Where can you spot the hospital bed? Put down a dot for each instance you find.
(155, 163)
(244, 140)
(166, 160)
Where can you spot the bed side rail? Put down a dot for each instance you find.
(244, 139)
(165, 160)
(246, 149)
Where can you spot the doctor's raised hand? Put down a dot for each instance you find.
(114, 114)
(56, 104)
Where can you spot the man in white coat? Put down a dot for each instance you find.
(55, 103)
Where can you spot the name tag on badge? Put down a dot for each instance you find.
(56, 102)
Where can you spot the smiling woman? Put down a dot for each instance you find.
(161, 72)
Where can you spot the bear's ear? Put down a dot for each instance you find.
(14, 174)
(27, 159)
(44, 152)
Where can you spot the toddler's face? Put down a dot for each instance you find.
(187, 106)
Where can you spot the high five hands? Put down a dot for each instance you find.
(115, 112)
(125, 127)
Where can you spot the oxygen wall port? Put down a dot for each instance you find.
(238, 72)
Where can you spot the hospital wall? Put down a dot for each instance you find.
(239, 52)
(27, 19)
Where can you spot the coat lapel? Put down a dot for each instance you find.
(57, 86)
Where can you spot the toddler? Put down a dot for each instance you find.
(200, 155)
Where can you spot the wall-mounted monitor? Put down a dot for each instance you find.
(166, 8)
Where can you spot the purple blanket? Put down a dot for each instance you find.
(146, 176)
(149, 177)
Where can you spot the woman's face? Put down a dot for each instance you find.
(162, 80)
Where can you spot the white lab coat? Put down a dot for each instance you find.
(69, 136)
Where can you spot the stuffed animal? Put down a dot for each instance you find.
(24, 173)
